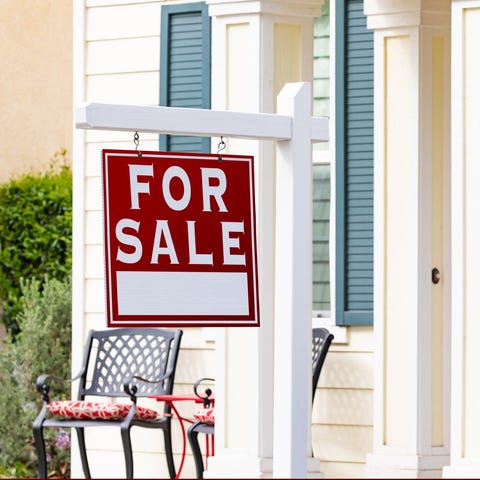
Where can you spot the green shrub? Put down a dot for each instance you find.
(35, 231)
(42, 346)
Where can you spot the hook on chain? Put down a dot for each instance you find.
(136, 141)
(221, 146)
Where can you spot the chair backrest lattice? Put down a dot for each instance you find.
(321, 340)
(115, 356)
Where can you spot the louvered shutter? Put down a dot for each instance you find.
(185, 67)
(354, 165)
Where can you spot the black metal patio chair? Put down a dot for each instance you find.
(321, 340)
(118, 363)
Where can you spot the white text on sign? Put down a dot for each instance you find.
(163, 242)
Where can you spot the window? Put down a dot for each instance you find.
(185, 67)
(353, 76)
(321, 227)
(321, 168)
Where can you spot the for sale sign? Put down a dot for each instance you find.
(180, 244)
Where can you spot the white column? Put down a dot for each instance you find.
(465, 458)
(257, 47)
(412, 320)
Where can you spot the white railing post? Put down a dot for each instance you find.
(293, 288)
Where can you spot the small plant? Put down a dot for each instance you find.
(42, 346)
(58, 456)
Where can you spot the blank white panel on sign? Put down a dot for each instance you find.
(182, 293)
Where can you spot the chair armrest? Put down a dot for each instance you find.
(43, 384)
(131, 389)
(208, 391)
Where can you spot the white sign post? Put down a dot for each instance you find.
(294, 128)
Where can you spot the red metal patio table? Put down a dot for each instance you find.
(170, 400)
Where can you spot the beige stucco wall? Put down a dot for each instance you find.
(35, 83)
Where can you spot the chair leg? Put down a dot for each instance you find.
(83, 452)
(197, 453)
(127, 450)
(167, 435)
(40, 448)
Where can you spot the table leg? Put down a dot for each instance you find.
(209, 447)
(184, 439)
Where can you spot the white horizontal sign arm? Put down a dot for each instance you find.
(193, 121)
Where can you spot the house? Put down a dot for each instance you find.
(36, 84)
(395, 217)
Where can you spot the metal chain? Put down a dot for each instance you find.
(221, 146)
(136, 141)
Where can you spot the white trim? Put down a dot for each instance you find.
(447, 253)
(78, 222)
(333, 174)
(326, 318)
(390, 14)
(458, 233)
(341, 334)
(379, 242)
(300, 8)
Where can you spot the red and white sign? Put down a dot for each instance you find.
(180, 244)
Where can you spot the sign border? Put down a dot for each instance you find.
(253, 319)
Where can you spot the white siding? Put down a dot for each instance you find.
(120, 48)
(342, 414)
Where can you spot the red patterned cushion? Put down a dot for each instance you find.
(79, 409)
(205, 415)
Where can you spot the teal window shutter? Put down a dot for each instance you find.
(185, 67)
(354, 165)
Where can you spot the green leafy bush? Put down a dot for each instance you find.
(42, 346)
(35, 231)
